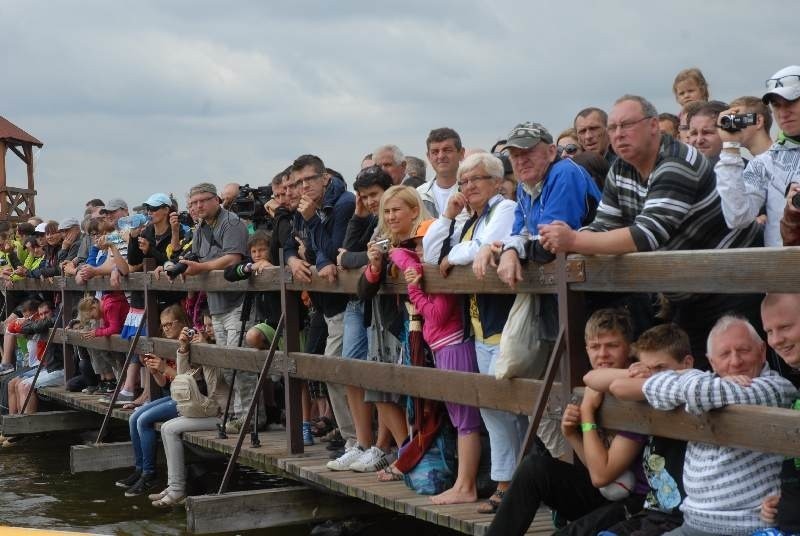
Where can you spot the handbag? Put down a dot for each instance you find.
(524, 345)
(189, 399)
(435, 472)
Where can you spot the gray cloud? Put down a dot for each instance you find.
(132, 98)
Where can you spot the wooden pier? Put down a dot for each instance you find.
(309, 468)
(282, 451)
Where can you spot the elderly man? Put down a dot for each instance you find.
(724, 485)
(659, 195)
(590, 124)
(392, 160)
(549, 190)
(765, 179)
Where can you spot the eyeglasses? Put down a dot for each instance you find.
(626, 125)
(789, 80)
(168, 325)
(569, 148)
(474, 180)
(148, 208)
(307, 180)
(683, 127)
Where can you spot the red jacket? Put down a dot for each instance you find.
(114, 306)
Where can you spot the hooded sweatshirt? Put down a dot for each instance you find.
(114, 307)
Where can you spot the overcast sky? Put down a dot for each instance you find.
(132, 98)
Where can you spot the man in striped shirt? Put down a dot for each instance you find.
(660, 194)
(724, 485)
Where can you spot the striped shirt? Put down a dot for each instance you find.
(676, 207)
(724, 485)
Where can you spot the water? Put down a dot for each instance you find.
(37, 490)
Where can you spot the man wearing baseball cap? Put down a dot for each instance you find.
(71, 228)
(769, 176)
(549, 189)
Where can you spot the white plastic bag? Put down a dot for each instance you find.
(523, 352)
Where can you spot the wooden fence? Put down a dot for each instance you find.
(713, 271)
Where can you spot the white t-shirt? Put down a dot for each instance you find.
(441, 195)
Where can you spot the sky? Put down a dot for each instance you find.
(132, 98)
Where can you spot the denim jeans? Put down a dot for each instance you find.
(506, 430)
(143, 433)
(354, 339)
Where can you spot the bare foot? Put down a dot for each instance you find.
(455, 496)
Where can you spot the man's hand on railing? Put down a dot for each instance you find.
(509, 270)
(301, 270)
(445, 267)
(557, 237)
(329, 272)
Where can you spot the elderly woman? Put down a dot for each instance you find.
(491, 218)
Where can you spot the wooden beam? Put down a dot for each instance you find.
(721, 271)
(3, 185)
(49, 421)
(28, 149)
(100, 457)
(17, 152)
(261, 509)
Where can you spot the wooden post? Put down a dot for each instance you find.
(68, 303)
(571, 317)
(49, 421)
(101, 457)
(3, 149)
(290, 303)
(27, 149)
(153, 324)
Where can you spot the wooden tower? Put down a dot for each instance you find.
(16, 204)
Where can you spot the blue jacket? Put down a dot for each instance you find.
(569, 194)
(323, 235)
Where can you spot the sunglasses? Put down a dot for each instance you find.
(569, 148)
(790, 80)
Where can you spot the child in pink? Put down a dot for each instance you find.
(443, 330)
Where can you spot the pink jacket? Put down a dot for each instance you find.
(115, 307)
(442, 313)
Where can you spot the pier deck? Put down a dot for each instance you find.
(309, 468)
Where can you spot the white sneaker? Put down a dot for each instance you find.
(343, 462)
(373, 459)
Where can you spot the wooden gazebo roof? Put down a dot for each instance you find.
(13, 135)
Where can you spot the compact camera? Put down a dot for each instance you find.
(191, 333)
(383, 245)
(736, 122)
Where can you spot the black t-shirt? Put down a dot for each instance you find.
(662, 460)
(789, 505)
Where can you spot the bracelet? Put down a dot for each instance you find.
(731, 145)
(588, 426)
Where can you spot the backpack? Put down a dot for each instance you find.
(190, 401)
(435, 472)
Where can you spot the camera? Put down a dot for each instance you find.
(796, 200)
(191, 332)
(184, 218)
(174, 269)
(736, 122)
(249, 204)
(383, 245)
(3, 261)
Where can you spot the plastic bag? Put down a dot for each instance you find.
(523, 349)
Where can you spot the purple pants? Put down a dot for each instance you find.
(460, 357)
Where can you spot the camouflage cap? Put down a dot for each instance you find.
(527, 134)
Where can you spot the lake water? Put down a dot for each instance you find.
(37, 490)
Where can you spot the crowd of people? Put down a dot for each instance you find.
(623, 180)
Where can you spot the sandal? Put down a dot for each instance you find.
(490, 505)
(322, 427)
(169, 500)
(390, 474)
(130, 406)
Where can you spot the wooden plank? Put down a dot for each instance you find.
(751, 427)
(100, 457)
(49, 421)
(247, 510)
(722, 271)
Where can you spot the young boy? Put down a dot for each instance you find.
(664, 347)
(572, 490)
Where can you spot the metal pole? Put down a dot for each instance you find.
(262, 377)
(41, 361)
(121, 381)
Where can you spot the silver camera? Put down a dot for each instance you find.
(383, 245)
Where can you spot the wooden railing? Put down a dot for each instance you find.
(713, 271)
